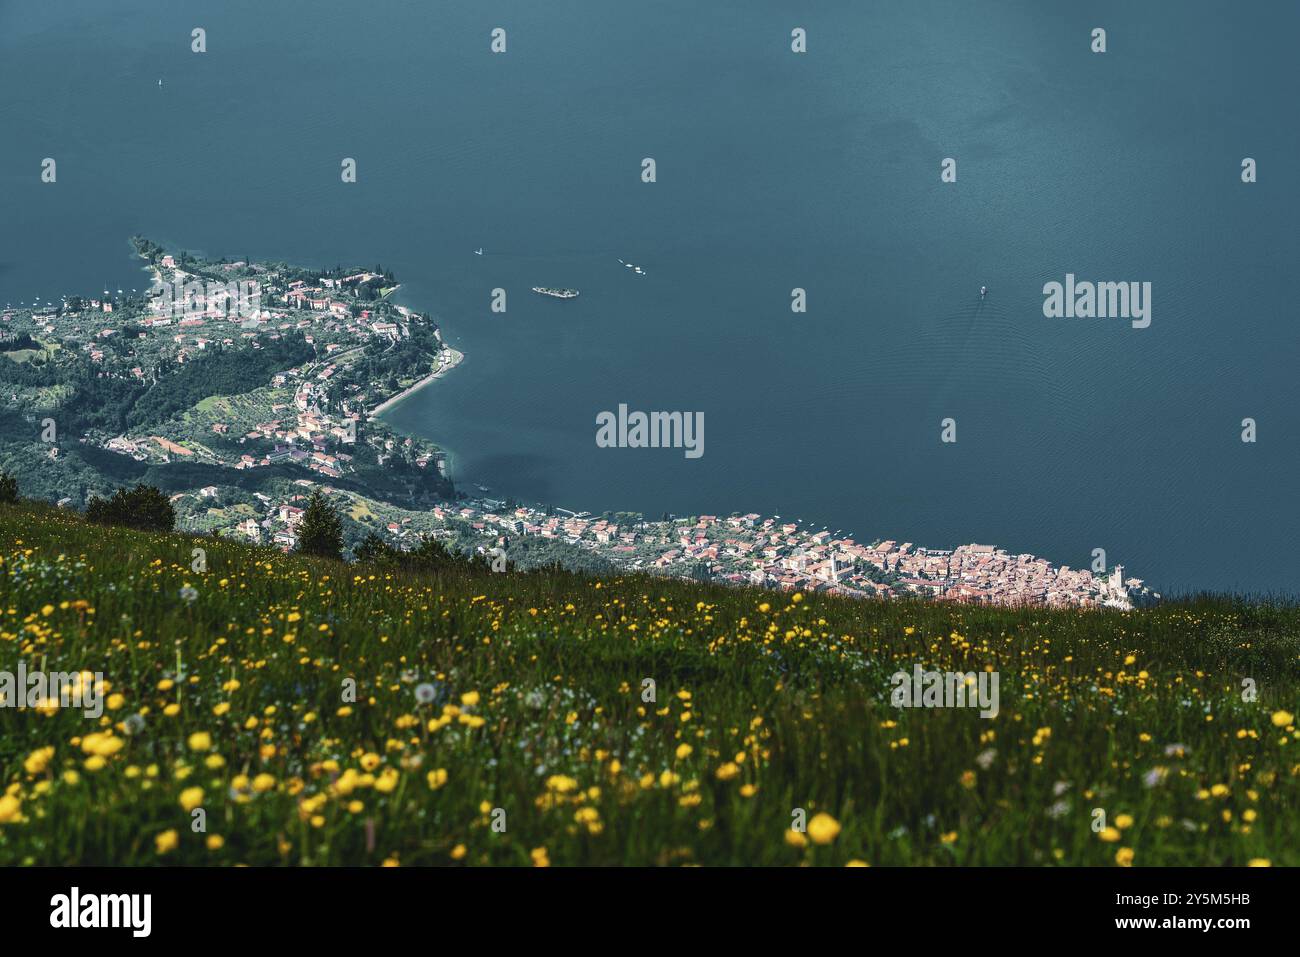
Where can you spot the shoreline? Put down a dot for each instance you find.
(455, 359)
(921, 580)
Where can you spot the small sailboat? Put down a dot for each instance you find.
(983, 291)
(479, 251)
(160, 81)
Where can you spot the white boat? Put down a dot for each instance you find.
(479, 251)
(983, 291)
(640, 271)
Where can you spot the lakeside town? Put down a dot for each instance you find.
(260, 383)
(245, 366)
(768, 552)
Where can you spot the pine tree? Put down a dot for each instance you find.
(144, 507)
(321, 531)
(8, 489)
(372, 550)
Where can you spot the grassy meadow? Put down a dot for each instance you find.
(500, 719)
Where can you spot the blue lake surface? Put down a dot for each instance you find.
(775, 171)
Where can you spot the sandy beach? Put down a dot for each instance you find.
(453, 361)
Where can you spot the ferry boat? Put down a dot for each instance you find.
(557, 293)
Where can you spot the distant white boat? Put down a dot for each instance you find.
(983, 291)
(160, 81)
(640, 270)
(479, 251)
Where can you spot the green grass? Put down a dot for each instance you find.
(789, 699)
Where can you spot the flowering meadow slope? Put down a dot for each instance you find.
(503, 719)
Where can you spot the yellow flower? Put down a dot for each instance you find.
(38, 760)
(469, 699)
(1254, 861)
(1110, 835)
(561, 783)
(436, 778)
(795, 839)
(823, 828)
(857, 863)
(200, 741)
(369, 761)
(683, 751)
(1282, 718)
(10, 807)
(263, 782)
(191, 798)
(1124, 857)
(1123, 821)
(458, 852)
(215, 842)
(166, 841)
(102, 743)
(539, 856)
(728, 771)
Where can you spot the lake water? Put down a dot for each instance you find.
(775, 171)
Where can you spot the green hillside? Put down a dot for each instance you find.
(500, 719)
